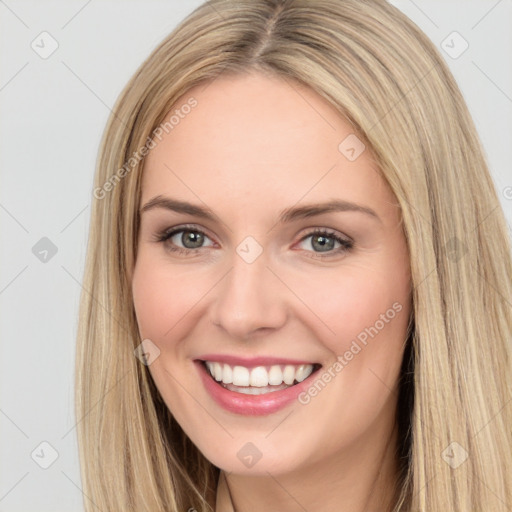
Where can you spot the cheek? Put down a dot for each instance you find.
(357, 303)
(164, 303)
(162, 299)
(368, 310)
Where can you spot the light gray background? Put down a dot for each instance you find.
(53, 112)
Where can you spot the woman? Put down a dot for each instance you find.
(298, 275)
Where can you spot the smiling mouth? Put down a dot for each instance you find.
(260, 379)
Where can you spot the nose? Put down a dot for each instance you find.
(250, 300)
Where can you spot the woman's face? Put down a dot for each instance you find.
(289, 258)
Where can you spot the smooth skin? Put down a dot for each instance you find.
(254, 146)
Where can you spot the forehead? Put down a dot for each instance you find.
(260, 136)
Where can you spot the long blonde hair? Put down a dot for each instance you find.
(385, 77)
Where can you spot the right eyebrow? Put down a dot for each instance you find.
(179, 207)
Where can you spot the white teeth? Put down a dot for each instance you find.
(240, 376)
(217, 368)
(302, 373)
(275, 376)
(227, 374)
(260, 376)
(289, 374)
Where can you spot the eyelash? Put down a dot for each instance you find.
(346, 245)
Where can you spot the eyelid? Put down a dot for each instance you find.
(167, 233)
(328, 231)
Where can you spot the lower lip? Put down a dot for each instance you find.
(251, 405)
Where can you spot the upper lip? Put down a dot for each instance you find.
(251, 362)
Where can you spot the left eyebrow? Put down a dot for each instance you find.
(310, 210)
